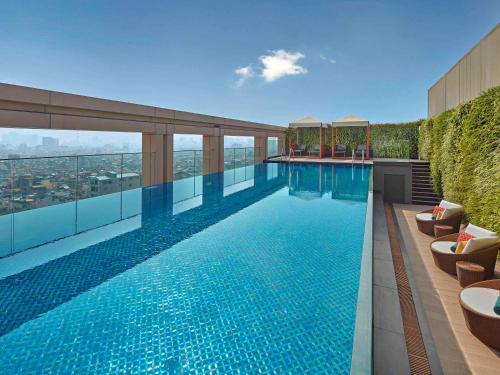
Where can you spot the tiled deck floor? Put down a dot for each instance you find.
(319, 161)
(458, 350)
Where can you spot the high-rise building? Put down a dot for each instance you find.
(50, 142)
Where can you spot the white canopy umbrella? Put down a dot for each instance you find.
(351, 121)
(310, 122)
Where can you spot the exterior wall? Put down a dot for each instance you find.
(25, 107)
(476, 72)
(382, 168)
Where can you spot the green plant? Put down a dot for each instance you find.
(463, 148)
(351, 136)
(395, 140)
(425, 139)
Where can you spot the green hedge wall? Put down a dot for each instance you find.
(463, 148)
(396, 140)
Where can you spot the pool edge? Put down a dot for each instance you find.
(361, 360)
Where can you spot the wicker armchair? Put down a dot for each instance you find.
(485, 257)
(427, 226)
(485, 326)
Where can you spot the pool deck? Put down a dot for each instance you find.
(459, 352)
(329, 160)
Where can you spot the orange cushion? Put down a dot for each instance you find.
(437, 213)
(462, 240)
(437, 209)
(464, 236)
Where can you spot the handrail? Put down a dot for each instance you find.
(72, 156)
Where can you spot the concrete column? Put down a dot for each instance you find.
(157, 157)
(260, 144)
(168, 154)
(281, 144)
(152, 155)
(213, 152)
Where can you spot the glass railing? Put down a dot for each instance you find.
(238, 164)
(272, 147)
(188, 170)
(187, 163)
(45, 199)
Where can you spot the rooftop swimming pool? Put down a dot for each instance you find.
(254, 270)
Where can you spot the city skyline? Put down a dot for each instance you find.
(30, 142)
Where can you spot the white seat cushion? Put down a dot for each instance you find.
(482, 238)
(478, 231)
(481, 300)
(479, 243)
(443, 246)
(446, 204)
(450, 208)
(424, 216)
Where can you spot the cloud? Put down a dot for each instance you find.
(281, 63)
(275, 65)
(328, 59)
(245, 73)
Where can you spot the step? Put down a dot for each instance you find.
(425, 197)
(423, 190)
(425, 203)
(420, 168)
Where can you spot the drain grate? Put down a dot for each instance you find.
(417, 356)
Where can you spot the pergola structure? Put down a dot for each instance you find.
(309, 122)
(351, 121)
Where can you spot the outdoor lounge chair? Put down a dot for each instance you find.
(340, 150)
(314, 150)
(360, 150)
(299, 149)
(452, 216)
(482, 249)
(477, 302)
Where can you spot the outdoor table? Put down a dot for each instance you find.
(443, 230)
(469, 273)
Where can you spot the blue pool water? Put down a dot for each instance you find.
(252, 270)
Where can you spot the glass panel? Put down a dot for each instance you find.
(239, 164)
(272, 146)
(250, 162)
(5, 211)
(99, 178)
(42, 225)
(229, 158)
(43, 200)
(272, 170)
(184, 164)
(131, 185)
(198, 170)
(188, 180)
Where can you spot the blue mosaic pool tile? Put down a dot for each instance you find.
(250, 292)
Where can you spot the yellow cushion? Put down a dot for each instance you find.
(460, 247)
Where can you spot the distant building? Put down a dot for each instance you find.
(25, 183)
(113, 182)
(49, 142)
